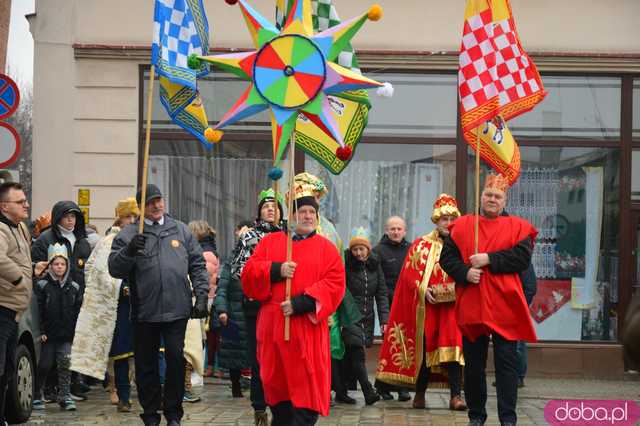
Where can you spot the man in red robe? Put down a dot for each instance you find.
(296, 374)
(423, 343)
(489, 297)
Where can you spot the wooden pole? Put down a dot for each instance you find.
(292, 172)
(147, 142)
(477, 219)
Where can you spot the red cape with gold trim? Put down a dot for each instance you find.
(413, 320)
(497, 303)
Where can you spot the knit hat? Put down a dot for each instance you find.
(360, 236)
(127, 207)
(305, 201)
(445, 205)
(270, 195)
(57, 250)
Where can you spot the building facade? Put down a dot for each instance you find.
(580, 148)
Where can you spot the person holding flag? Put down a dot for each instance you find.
(497, 81)
(295, 372)
(489, 298)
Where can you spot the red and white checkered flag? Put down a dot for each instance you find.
(496, 76)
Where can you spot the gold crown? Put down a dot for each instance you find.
(301, 190)
(496, 182)
(445, 205)
(127, 207)
(313, 183)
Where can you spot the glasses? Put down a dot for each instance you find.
(21, 202)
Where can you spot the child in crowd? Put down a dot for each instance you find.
(59, 301)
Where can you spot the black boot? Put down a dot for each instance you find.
(371, 398)
(236, 391)
(404, 396)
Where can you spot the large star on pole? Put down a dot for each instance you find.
(292, 71)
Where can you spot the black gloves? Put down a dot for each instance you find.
(136, 244)
(303, 304)
(199, 310)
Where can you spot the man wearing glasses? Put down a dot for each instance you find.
(15, 277)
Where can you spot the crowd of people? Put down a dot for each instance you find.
(289, 315)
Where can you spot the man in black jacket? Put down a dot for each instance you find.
(158, 265)
(391, 250)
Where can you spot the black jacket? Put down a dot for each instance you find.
(159, 278)
(516, 259)
(232, 352)
(391, 255)
(365, 281)
(81, 249)
(58, 306)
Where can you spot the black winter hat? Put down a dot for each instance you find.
(305, 201)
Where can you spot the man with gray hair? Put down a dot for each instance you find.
(158, 265)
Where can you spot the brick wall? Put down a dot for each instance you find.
(5, 17)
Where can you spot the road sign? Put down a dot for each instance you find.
(9, 145)
(9, 96)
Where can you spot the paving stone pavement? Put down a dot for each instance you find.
(219, 408)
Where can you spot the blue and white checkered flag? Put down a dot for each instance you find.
(180, 28)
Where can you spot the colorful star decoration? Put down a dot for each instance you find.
(292, 71)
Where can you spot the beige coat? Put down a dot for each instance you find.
(15, 262)
(97, 318)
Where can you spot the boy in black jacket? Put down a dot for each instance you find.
(59, 302)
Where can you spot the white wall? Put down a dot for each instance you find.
(86, 110)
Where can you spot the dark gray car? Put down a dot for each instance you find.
(22, 385)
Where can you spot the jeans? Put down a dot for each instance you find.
(147, 337)
(475, 379)
(8, 343)
(121, 375)
(285, 414)
(257, 393)
(58, 353)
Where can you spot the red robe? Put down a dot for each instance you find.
(298, 370)
(497, 303)
(413, 321)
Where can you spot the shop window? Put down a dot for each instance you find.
(221, 187)
(574, 108)
(571, 195)
(423, 105)
(384, 180)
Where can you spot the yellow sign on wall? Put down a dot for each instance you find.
(84, 197)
